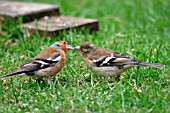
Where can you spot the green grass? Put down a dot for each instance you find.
(138, 28)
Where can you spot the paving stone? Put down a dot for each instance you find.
(28, 11)
(56, 24)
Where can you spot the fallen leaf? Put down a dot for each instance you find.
(10, 41)
(7, 88)
(2, 19)
(153, 52)
(4, 83)
(87, 75)
(138, 90)
(119, 35)
(27, 112)
(23, 57)
(26, 81)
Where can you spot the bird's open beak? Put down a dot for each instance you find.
(69, 47)
(77, 48)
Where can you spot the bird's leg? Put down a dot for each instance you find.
(58, 73)
(117, 78)
(48, 80)
(110, 79)
(38, 80)
(138, 67)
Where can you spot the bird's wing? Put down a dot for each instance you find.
(39, 63)
(36, 64)
(25, 69)
(112, 59)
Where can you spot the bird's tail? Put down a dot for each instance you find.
(14, 73)
(150, 64)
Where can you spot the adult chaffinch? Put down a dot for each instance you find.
(106, 62)
(47, 63)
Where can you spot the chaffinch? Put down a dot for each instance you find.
(47, 63)
(106, 62)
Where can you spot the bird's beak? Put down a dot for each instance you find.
(77, 48)
(69, 47)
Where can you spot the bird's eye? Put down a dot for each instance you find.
(64, 42)
(57, 44)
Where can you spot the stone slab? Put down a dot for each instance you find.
(28, 11)
(56, 24)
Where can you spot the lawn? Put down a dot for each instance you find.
(138, 28)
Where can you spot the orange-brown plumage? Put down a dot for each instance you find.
(46, 63)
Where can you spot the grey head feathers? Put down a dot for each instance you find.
(55, 46)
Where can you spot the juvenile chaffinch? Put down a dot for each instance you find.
(106, 62)
(47, 63)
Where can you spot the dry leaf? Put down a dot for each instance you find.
(153, 52)
(27, 112)
(87, 75)
(10, 41)
(2, 19)
(4, 83)
(7, 88)
(138, 90)
(119, 35)
(23, 57)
